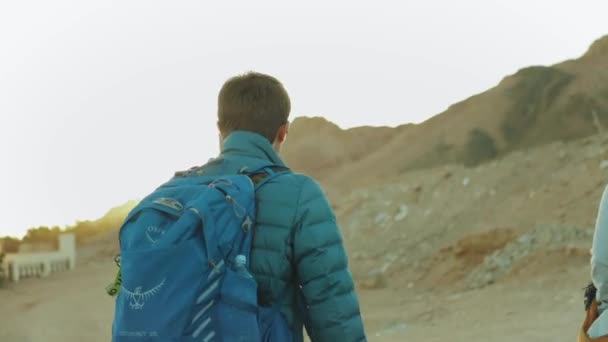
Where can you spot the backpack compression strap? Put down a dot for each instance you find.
(265, 174)
(262, 176)
(259, 178)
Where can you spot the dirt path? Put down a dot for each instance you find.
(65, 307)
(72, 307)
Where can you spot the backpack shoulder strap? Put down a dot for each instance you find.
(261, 176)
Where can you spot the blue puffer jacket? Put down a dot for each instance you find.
(296, 242)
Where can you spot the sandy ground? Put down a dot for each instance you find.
(72, 307)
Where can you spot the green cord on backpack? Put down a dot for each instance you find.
(113, 288)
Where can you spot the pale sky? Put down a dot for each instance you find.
(100, 101)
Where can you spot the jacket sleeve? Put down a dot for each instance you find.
(333, 312)
(599, 250)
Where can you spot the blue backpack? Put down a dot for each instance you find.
(181, 275)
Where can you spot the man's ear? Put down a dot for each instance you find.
(282, 133)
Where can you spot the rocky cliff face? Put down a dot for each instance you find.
(535, 106)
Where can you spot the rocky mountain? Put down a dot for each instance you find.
(532, 107)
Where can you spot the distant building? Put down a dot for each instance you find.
(35, 261)
(29, 247)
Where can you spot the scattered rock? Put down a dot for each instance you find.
(466, 181)
(488, 279)
(374, 281)
(381, 218)
(604, 165)
(392, 328)
(526, 239)
(500, 262)
(403, 212)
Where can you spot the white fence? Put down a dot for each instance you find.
(22, 265)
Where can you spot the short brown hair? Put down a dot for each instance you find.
(253, 102)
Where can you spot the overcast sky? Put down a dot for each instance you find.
(100, 101)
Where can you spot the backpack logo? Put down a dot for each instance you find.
(153, 233)
(137, 298)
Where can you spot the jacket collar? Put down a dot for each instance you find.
(251, 145)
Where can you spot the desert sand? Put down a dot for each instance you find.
(73, 307)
